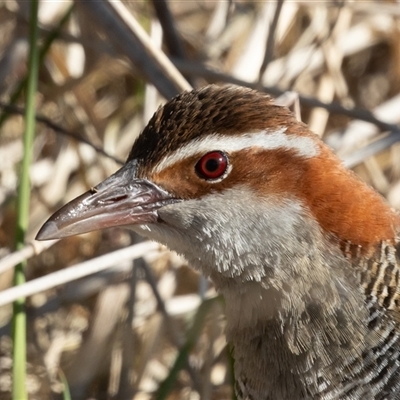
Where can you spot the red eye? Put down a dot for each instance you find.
(212, 165)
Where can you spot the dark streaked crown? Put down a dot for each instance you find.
(225, 110)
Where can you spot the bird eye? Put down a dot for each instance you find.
(212, 165)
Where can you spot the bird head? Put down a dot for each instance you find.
(227, 178)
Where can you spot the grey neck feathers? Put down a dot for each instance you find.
(295, 312)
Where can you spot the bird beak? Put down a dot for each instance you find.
(121, 199)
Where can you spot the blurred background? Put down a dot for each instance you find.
(149, 327)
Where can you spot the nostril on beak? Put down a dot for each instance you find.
(115, 199)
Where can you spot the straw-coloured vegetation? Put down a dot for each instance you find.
(110, 316)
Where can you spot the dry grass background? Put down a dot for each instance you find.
(117, 333)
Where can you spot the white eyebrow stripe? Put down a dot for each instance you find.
(304, 146)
